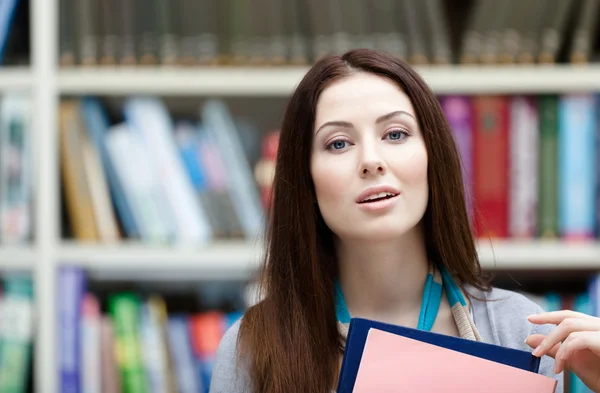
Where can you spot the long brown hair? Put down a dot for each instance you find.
(290, 340)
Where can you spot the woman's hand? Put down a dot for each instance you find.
(574, 344)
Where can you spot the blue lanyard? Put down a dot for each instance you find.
(430, 304)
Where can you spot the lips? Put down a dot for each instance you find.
(375, 194)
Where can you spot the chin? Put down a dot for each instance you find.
(377, 234)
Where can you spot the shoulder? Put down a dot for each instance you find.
(230, 373)
(501, 318)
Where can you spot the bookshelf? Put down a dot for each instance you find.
(257, 81)
(225, 260)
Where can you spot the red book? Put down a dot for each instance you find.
(491, 169)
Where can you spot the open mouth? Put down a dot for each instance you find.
(378, 197)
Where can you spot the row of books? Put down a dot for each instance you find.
(274, 32)
(169, 180)
(530, 163)
(133, 343)
(16, 169)
(16, 332)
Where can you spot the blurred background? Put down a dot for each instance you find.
(137, 144)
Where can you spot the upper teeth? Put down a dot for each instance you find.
(380, 195)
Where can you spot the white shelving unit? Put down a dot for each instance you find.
(20, 258)
(236, 260)
(251, 81)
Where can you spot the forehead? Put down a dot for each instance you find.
(361, 95)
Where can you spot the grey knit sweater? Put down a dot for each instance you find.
(502, 320)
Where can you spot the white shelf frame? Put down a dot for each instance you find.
(280, 81)
(17, 258)
(237, 260)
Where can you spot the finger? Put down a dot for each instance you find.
(576, 341)
(536, 339)
(562, 331)
(579, 341)
(556, 317)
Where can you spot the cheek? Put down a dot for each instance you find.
(328, 181)
(411, 168)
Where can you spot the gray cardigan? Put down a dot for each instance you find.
(502, 320)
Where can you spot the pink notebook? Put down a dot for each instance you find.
(392, 364)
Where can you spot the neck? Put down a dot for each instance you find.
(384, 280)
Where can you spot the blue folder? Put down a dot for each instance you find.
(359, 330)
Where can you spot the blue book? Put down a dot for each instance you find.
(359, 331)
(97, 124)
(576, 167)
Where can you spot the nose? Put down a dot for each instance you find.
(371, 163)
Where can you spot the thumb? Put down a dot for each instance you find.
(536, 339)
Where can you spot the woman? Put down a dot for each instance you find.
(368, 220)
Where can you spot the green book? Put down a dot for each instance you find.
(124, 309)
(548, 191)
(16, 333)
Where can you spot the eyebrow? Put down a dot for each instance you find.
(380, 119)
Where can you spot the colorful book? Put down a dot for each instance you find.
(97, 125)
(90, 344)
(16, 336)
(491, 170)
(577, 173)
(71, 291)
(523, 146)
(385, 353)
(548, 167)
(459, 113)
(369, 360)
(125, 309)
(149, 119)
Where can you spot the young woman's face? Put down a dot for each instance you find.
(369, 161)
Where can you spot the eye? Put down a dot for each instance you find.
(338, 144)
(396, 135)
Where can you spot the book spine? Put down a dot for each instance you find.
(90, 345)
(459, 113)
(150, 120)
(548, 173)
(141, 186)
(67, 54)
(576, 137)
(491, 172)
(206, 330)
(16, 336)
(597, 155)
(111, 382)
(244, 193)
(124, 309)
(97, 125)
(77, 192)
(72, 288)
(524, 167)
(181, 352)
(88, 31)
(15, 169)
